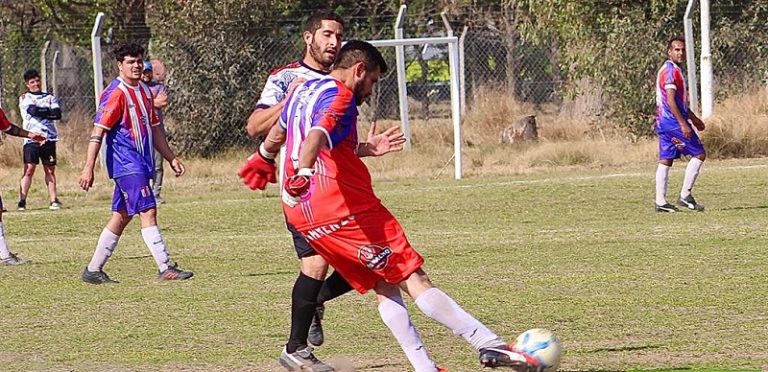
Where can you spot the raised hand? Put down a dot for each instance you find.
(391, 140)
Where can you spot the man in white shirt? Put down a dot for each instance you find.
(38, 111)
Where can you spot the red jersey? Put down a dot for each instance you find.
(4, 123)
(342, 184)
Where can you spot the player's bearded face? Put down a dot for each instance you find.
(367, 79)
(325, 43)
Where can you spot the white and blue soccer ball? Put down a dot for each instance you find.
(543, 345)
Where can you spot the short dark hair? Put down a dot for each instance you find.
(673, 39)
(355, 51)
(315, 21)
(128, 49)
(30, 74)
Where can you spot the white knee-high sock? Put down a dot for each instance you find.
(395, 316)
(104, 248)
(691, 173)
(154, 241)
(4, 252)
(437, 305)
(662, 178)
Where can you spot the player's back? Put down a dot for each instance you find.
(342, 184)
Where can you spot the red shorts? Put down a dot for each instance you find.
(366, 248)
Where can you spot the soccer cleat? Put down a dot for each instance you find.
(22, 206)
(97, 277)
(315, 336)
(13, 260)
(690, 203)
(174, 273)
(55, 205)
(303, 360)
(506, 356)
(666, 208)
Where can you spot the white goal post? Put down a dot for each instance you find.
(453, 66)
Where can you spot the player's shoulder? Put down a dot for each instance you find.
(286, 68)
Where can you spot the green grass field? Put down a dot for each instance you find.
(578, 251)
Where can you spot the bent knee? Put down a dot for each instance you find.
(314, 267)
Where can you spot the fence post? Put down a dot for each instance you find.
(402, 89)
(706, 63)
(54, 67)
(98, 73)
(690, 55)
(44, 67)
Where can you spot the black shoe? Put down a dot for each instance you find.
(666, 208)
(505, 356)
(13, 260)
(97, 277)
(174, 273)
(22, 206)
(316, 336)
(303, 360)
(55, 205)
(690, 203)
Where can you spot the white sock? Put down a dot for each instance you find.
(154, 241)
(4, 252)
(395, 316)
(691, 173)
(662, 178)
(437, 305)
(104, 249)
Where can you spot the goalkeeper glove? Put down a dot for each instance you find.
(259, 169)
(296, 186)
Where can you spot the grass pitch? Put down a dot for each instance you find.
(577, 251)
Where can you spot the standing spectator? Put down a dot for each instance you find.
(160, 102)
(38, 111)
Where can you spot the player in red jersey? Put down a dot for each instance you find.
(7, 258)
(328, 196)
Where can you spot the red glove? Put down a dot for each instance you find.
(296, 186)
(258, 171)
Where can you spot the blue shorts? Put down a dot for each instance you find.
(672, 145)
(133, 194)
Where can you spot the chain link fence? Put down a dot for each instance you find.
(215, 83)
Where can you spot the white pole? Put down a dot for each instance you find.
(462, 76)
(44, 66)
(706, 63)
(690, 55)
(401, 83)
(54, 67)
(453, 64)
(98, 74)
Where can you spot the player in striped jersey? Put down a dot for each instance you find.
(6, 256)
(676, 138)
(127, 119)
(328, 196)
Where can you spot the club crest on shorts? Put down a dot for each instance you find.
(374, 257)
(144, 191)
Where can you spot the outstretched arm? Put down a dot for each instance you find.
(391, 140)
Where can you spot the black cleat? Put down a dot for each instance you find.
(13, 260)
(174, 273)
(505, 356)
(666, 208)
(690, 203)
(97, 277)
(22, 206)
(303, 360)
(316, 336)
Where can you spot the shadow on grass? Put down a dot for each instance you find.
(742, 208)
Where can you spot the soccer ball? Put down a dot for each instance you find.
(541, 344)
